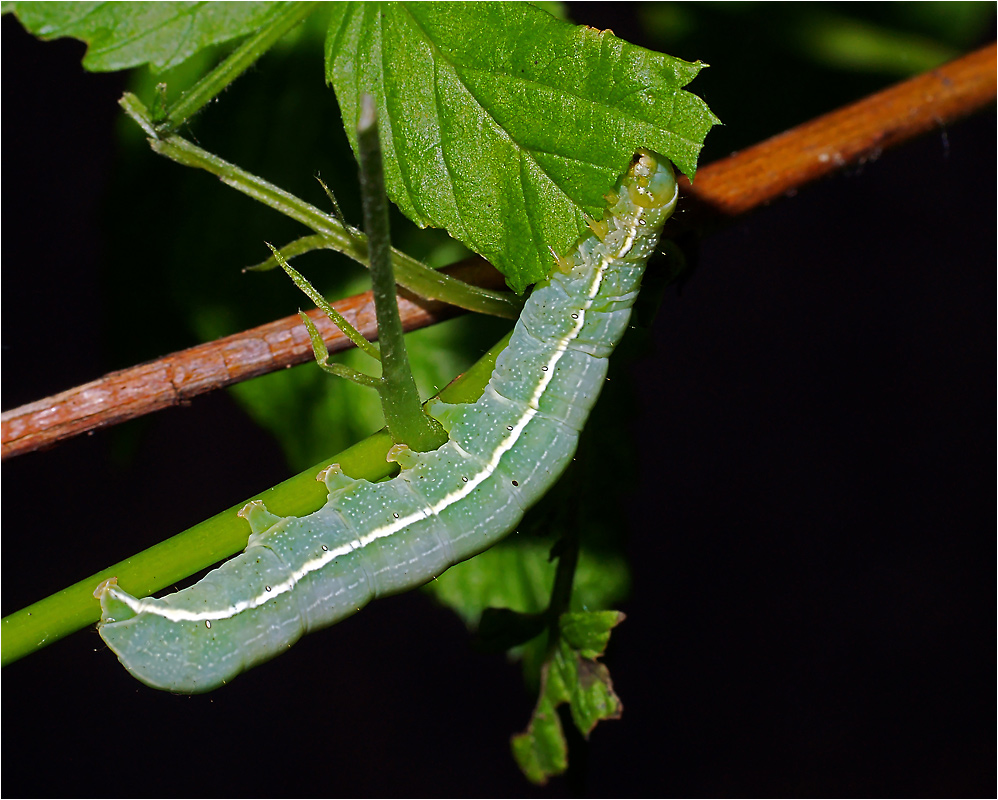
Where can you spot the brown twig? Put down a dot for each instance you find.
(854, 134)
(178, 377)
(723, 190)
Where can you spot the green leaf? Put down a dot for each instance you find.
(572, 675)
(504, 125)
(122, 35)
(589, 631)
(518, 574)
(515, 574)
(540, 751)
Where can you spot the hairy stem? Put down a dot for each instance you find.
(404, 416)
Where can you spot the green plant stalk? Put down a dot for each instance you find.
(564, 578)
(244, 56)
(409, 272)
(568, 555)
(207, 543)
(404, 415)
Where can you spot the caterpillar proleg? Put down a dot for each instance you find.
(504, 451)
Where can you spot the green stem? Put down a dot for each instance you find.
(567, 549)
(409, 272)
(209, 87)
(404, 415)
(223, 535)
(564, 577)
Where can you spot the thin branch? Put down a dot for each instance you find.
(723, 190)
(175, 379)
(854, 134)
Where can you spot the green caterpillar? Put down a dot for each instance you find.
(299, 574)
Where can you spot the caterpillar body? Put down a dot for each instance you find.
(504, 451)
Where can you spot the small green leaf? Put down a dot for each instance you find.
(589, 631)
(504, 125)
(515, 574)
(518, 574)
(590, 691)
(572, 675)
(122, 35)
(541, 751)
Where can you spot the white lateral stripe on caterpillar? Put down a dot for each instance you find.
(183, 615)
(342, 555)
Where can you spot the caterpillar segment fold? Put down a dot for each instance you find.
(503, 452)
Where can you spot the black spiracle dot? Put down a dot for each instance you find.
(509, 427)
(325, 548)
(395, 514)
(267, 588)
(464, 478)
(544, 368)
(207, 624)
(516, 483)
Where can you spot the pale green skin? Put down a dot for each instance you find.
(375, 539)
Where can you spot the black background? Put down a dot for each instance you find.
(812, 536)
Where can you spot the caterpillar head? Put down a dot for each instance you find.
(650, 182)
